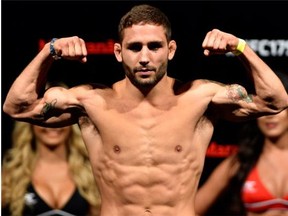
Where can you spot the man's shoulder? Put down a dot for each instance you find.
(91, 86)
(181, 86)
(199, 83)
(203, 81)
(91, 91)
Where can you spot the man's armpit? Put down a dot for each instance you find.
(236, 92)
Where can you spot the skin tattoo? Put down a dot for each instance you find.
(48, 106)
(236, 92)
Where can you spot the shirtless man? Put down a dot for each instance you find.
(146, 134)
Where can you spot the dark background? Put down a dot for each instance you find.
(25, 22)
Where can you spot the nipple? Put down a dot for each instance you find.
(116, 149)
(178, 148)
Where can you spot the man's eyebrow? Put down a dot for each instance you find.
(138, 42)
(155, 43)
(133, 43)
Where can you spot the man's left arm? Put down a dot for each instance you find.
(270, 95)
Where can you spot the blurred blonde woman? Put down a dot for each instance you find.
(47, 172)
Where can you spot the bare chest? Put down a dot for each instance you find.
(55, 186)
(273, 172)
(148, 135)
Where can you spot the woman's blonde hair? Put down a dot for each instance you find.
(19, 161)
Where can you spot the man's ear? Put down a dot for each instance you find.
(172, 49)
(117, 52)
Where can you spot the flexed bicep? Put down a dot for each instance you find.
(234, 103)
(237, 93)
(58, 107)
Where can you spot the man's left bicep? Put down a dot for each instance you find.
(236, 93)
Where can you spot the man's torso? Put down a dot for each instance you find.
(146, 155)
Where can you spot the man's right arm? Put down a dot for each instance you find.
(25, 101)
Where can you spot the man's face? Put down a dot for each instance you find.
(144, 53)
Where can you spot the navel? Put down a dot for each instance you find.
(178, 148)
(117, 149)
(147, 212)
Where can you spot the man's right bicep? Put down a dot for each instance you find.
(54, 109)
(58, 105)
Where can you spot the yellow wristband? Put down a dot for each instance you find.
(240, 47)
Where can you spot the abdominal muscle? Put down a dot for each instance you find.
(146, 181)
(164, 189)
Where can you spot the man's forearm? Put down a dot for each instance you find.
(268, 86)
(29, 84)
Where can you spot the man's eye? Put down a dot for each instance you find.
(154, 46)
(135, 47)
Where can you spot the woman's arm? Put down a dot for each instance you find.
(217, 182)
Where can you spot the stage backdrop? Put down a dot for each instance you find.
(28, 25)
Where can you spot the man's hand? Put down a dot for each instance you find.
(72, 48)
(218, 42)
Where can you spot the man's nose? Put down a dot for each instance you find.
(144, 56)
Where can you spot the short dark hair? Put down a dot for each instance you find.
(144, 14)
